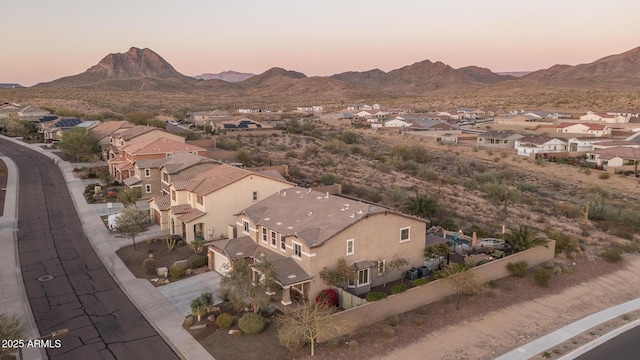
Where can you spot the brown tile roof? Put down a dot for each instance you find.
(180, 209)
(132, 180)
(191, 215)
(160, 146)
(313, 216)
(180, 161)
(217, 178)
(288, 272)
(162, 202)
(536, 140)
(136, 131)
(108, 127)
(622, 152)
(240, 247)
(181, 185)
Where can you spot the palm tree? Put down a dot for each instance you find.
(422, 205)
(523, 238)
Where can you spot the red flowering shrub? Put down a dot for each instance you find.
(327, 297)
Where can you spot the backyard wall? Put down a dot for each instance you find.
(413, 298)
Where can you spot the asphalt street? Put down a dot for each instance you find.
(622, 347)
(67, 285)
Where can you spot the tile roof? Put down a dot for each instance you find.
(132, 180)
(217, 178)
(622, 152)
(106, 128)
(136, 131)
(180, 161)
(160, 145)
(191, 215)
(313, 216)
(536, 140)
(181, 185)
(162, 202)
(180, 209)
(503, 134)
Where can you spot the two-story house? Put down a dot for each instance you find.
(303, 231)
(205, 206)
(137, 134)
(122, 167)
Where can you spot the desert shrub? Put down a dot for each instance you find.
(291, 154)
(329, 179)
(328, 297)
(375, 296)
(251, 323)
(388, 333)
(519, 269)
(333, 343)
(176, 271)
(393, 320)
(420, 282)
(527, 187)
(492, 284)
(149, 266)
(353, 345)
(603, 176)
(196, 261)
(89, 188)
(612, 254)
(224, 320)
(490, 293)
(397, 289)
(567, 270)
(542, 277)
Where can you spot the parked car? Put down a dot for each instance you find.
(492, 243)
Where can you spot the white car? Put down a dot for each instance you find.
(491, 243)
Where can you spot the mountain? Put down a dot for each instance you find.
(623, 69)
(228, 76)
(421, 77)
(134, 70)
(10, 86)
(272, 75)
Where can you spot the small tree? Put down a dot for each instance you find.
(79, 142)
(523, 238)
(307, 324)
(398, 263)
(338, 276)
(248, 285)
(11, 327)
(422, 205)
(200, 304)
(131, 223)
(463, 280)
(129, 196)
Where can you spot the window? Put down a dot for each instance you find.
(199, 199)
(405, 234)
(297, 250)
(165, 177)
(381, 264)
(363, 277)
(350, 247)
(283, 243)
(245, 226)
(147, 188)
(255, 195)
(147, 172)
(273, 238)
(173, 195)
(264, 235)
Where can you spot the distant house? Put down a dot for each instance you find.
(250, 111)
(583, 144)
(32, 113)
(432, 125)
(309, 108)
(604, 118)
(103, 132)
(202, 118)
(50, 129)
(397, 123)
(242, 125)
(596, 130)
(538, 144)
(499, 139)
(136, 134)
(518, 119)
(614, 157)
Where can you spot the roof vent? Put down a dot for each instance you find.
(326, 196)
(292, 276)
(310, 213)
(352, 216)
(360, 211)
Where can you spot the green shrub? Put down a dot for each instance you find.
(224, 320)
(397, 289)
(567, 270)
(149, 266)
(612, 254)
(420, 282)
(176, 271)
(388, 333)
(542, 277)
(519, 269)
(493, 284)
(375, 296)
(603, 176)
(353, 345)
(251, 323)
(196, 261)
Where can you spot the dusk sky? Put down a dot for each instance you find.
(45, 40)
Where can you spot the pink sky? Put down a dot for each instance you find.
(66, 37)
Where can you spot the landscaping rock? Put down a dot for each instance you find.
(188, 272)
(197, 327)
(162, 271)
(154, 280)
(211, 318)
(235, 332)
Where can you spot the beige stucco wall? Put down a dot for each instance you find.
(413, 298)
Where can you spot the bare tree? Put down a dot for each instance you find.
(463, 280)
(338, 276)
(131, 223)
(307, 324)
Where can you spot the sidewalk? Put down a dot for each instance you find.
(161, 313)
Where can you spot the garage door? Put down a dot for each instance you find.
(220, 263)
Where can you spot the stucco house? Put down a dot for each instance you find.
(604, 118)
(614, 157)
(537, 144)
(205, 206)
(122, 167)
(309, 231)
(137, 134)
(504, 139)
(398, 123)
(588, 129)
(32, 113)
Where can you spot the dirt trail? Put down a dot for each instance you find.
(501, 331)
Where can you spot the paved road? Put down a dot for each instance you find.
(622, 347)
(81, 296)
